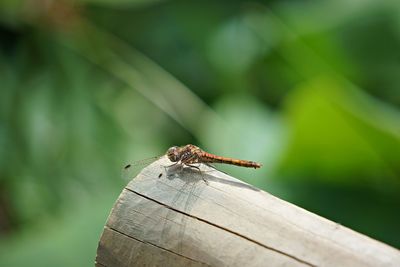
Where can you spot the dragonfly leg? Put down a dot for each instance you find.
(201, 172)
(166, 168)
(193, 166)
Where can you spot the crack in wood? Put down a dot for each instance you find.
(225, 229)
(145, 242)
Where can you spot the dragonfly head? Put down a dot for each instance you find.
(173, 154)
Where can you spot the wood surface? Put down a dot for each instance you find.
(180, 220)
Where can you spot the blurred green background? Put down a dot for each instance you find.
(309, 88)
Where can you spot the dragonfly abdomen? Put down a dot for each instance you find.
(211, 158)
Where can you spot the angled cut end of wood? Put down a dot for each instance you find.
(174, 218)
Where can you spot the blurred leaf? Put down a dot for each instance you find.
(138, 72)
(341, 135)
(234, 47)
(121, 3)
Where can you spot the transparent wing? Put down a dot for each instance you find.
(131, 169)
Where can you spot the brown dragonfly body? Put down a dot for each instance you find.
(191, 154)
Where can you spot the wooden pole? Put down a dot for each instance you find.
(174, 218)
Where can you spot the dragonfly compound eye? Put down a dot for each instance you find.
(173, 154)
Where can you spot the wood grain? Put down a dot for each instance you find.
(179, 220)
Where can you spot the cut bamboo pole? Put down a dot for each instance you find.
(173, 218)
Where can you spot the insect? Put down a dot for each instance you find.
(191, 155)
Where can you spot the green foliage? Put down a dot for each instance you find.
(341, 135)
(308, 89)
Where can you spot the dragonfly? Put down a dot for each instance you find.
(191, 155)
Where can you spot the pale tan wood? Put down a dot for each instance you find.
(179, 220)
